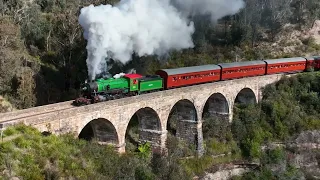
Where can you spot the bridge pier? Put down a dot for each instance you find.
(156, 138)
(200, 146)
(121, 148)
(191, 132)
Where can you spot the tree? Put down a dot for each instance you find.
(299, 13)
(17, 73)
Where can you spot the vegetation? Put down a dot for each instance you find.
(25, 152)
(289, 107)
(274, 166)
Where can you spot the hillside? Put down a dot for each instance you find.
(291, 42)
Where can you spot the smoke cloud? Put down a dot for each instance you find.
(144, 27)
(216, 9)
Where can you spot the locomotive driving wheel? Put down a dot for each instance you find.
(95, 99)
(81, 101)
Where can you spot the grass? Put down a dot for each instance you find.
(215, 147)
(33, 156)
(30, 155)
(216, 153)
(198, 166)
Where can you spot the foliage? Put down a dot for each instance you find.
(179, 148)
(168, 167)
(17, 81)
(288, 107)
(266, 174)
(216, 127)
(248, 131)
(215, 147)
(273, 156)
(292, 105)
(144, 150)
(34, 156)
(274, 166)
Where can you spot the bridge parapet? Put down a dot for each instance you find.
(35, 110)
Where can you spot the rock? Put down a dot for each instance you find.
(308, 137)
(314, 31)
(225, 174)
(14, 178)
(5, 106)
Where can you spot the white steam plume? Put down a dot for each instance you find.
(214, 8)
(117, 76)
(146, 27)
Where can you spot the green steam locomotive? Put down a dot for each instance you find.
(104, 89)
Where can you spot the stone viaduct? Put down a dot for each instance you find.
(108, 121)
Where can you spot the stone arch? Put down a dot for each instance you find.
(148, 119)
(183, 120)
(216, 104)
(185, 110)
(101, 130)
(246, 96)
(149, 127)
(215, 116)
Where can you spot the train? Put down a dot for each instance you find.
(110, 88)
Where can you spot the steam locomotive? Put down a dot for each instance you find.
(109, 88)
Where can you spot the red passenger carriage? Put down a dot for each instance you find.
(297, 64)
(242, 69)
(315, 63)
(310, 63)
(189, 75)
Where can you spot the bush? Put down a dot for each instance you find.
(288, 107)
(34, 156)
